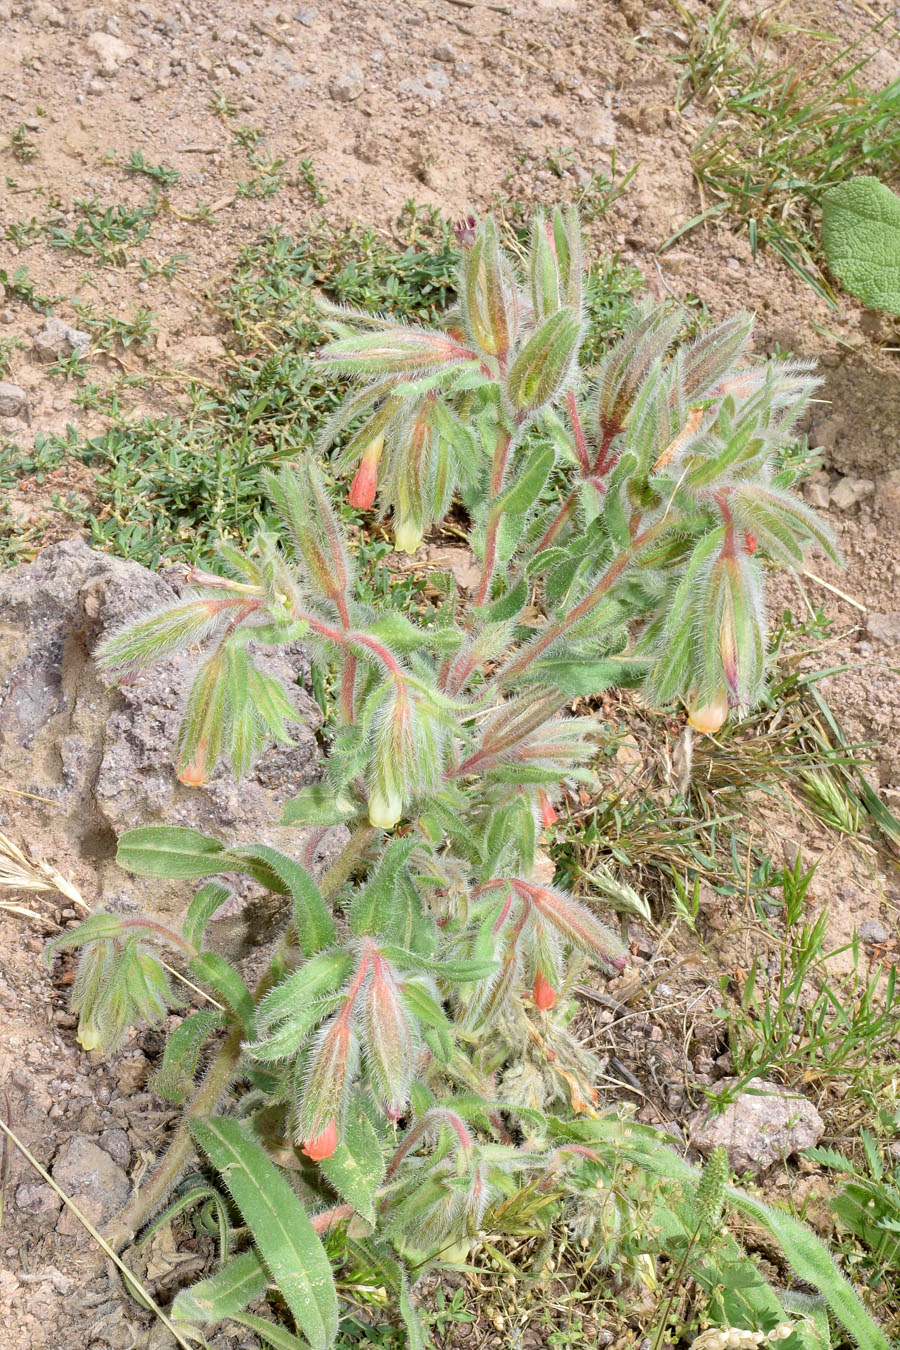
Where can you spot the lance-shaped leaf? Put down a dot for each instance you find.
(542, 368)
(202, 726)
(313, 919)
(356, 1168)
(174, 1078)
(300, 497)
(544, 280)
(707, 361)
(323, 974)
(330, 1070)
(784, 525)
(182, 625)
(281, 1228)
(579, 926)
(243, 1280)
(399, 351)
(568, 243)
(627, 365)
(388, 1040)
(204, 905)
(170, 851)
(489, 301)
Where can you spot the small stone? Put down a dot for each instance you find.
(307, 17)
(131, 1073)
(297, 82)
(883, 628)
(535, 120)
(347, 86)
(58, 338)
(887, 494)
(37, 1198)
(872, 930)
(849, 491)
(764, 1125)
(436, 79)
(444, 52)
(463, 69)
(87, 1172)
(236, 66)
(817, 494)
(110, 51)
(7, 316)
(12, 399)
(117, 1144)
(46, 15)
(96, 87)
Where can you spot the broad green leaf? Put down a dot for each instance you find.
(356, 1168)
(574, 677)
(317, 805)
(208, 899)
(529, 482)
(458, 971)
(861, 234)
(241, 1281)
(320, 975)
(214, 970)
(169, 851)
(281, 1227)
(423, 1006)
(315, 926)
(505, 606)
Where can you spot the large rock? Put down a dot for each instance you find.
(89, 1176)
(101, 749)
(766, 1124)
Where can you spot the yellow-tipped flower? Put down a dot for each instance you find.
(710, 717)
(385, 809)
(407, 536)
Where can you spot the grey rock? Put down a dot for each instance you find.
(444, 52)
(848, 492)
(236, 66)
(7, 316)
(85, 1171)
(307, 17)
(57, 338)
(117, 1144)
(39, 1199)
(12, 399)
(436, 79)
(883, 628)
(763, 1126)
(103, 749)
(347, 86)
(872, 930)
(45, 15)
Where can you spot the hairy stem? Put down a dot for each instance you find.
(221, 1071)
(554, 631)
(501, 457)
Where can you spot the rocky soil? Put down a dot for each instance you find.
(455, 103)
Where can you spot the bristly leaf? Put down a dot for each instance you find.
(173, 629)
(489, 301)
(542, 367)
(243, 1280)
(282, 1231)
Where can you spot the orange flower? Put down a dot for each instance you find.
(543, 993)
(548, 811)
(324, 1144)
(365, 483)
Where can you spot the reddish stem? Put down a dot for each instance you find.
(578, 433)
(501, 456)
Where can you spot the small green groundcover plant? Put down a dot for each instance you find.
(404, 1077)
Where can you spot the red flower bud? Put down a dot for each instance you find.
(543, 993)
(196, 772)
(324, 1144)
(548, 811)
(749, 542)
(365, 483)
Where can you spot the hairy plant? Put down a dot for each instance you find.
(393, 1074)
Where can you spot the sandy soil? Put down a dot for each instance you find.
(452, 103)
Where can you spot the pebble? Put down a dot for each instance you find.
(883, 628)
(117, 1144)
(872, 930)
(307, 17)
(847, 492)
(347, 86)
(37, 1198)
(57, 337)
(444, 52)
(12, 399)
(436, 79)
(87, 1172)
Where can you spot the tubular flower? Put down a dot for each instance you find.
(385, 809)
(708, 718)
(324, 1144)
(543, 993)
(365, 483)
(549, 815)
(407, 535)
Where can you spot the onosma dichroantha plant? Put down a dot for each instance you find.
(404, 1076)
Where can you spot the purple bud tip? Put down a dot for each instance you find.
(465, 231)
